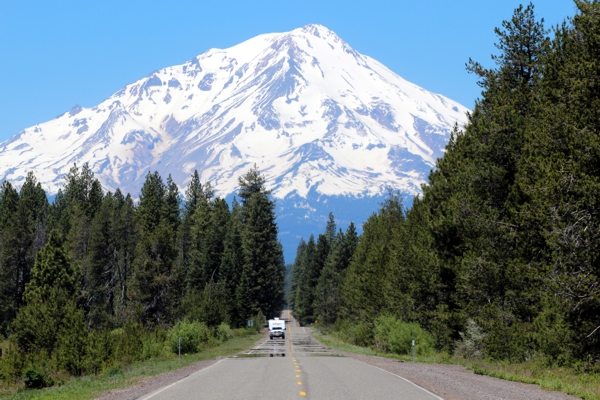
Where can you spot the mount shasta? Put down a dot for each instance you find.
(331, 129)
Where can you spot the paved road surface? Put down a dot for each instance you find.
(297, 367)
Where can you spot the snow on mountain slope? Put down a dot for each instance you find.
(315, 115)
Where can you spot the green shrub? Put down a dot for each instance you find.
(154, 345)
(394, 336)
(224, 332)
(193, 336)
(73, 342)
(113, 370)
(35, 377)
(258, 322)
(11, 364)
(128, 344)
(240, 332)
(100, 351)
(359, 334)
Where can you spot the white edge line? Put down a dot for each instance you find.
(156, 392)
(411, 382)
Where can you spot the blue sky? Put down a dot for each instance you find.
(56, 54)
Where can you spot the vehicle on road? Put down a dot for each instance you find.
(276, 328)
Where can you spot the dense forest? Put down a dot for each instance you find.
(499, 257)
(82, 280)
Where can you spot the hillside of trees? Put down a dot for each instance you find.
(499, 257)
(96, 271)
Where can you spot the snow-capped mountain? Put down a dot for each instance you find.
(317, 117)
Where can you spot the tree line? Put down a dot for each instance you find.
(499, 257)
(93, 262)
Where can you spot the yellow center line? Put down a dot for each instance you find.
(292, 348)
(290, 326)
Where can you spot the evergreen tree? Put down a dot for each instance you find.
(83, 194)
(193, 195)
(363, 296)
(230, 270)
(243, 301)
(262, 253)
(471, 195)
(328, 297)
(54, 283)
(209, 228)
(9, 274)
(110, 256)
(296, 275)
(560, 184)
(172, 203)
(330, 230)
(23, 232)
(308, 277)
(155, 252)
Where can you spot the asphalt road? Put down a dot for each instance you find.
(297, 367)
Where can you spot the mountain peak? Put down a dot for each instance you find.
(317, 30)
(315, 115)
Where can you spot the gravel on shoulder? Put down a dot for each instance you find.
(451, 382)
(455, 382)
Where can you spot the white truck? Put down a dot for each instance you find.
(276, 328)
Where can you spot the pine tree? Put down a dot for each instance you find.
(307, 279)
(23, 232)
(262, 253)
(72, 351)
(82, 192)
(472, 193)
(193, 195)
(54, 283)
(156, 252)
(363, 297)
(231, 266)
(296, 275)
(172, 203)
(331, 278)
(110, 256)
(243, 302)
(10, 298)
(560, 186)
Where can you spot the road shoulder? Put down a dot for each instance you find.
(455, 382)
(144, 386)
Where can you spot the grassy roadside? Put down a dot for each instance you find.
(568, 380)
(90, 387)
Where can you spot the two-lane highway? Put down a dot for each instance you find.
(295, 368)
